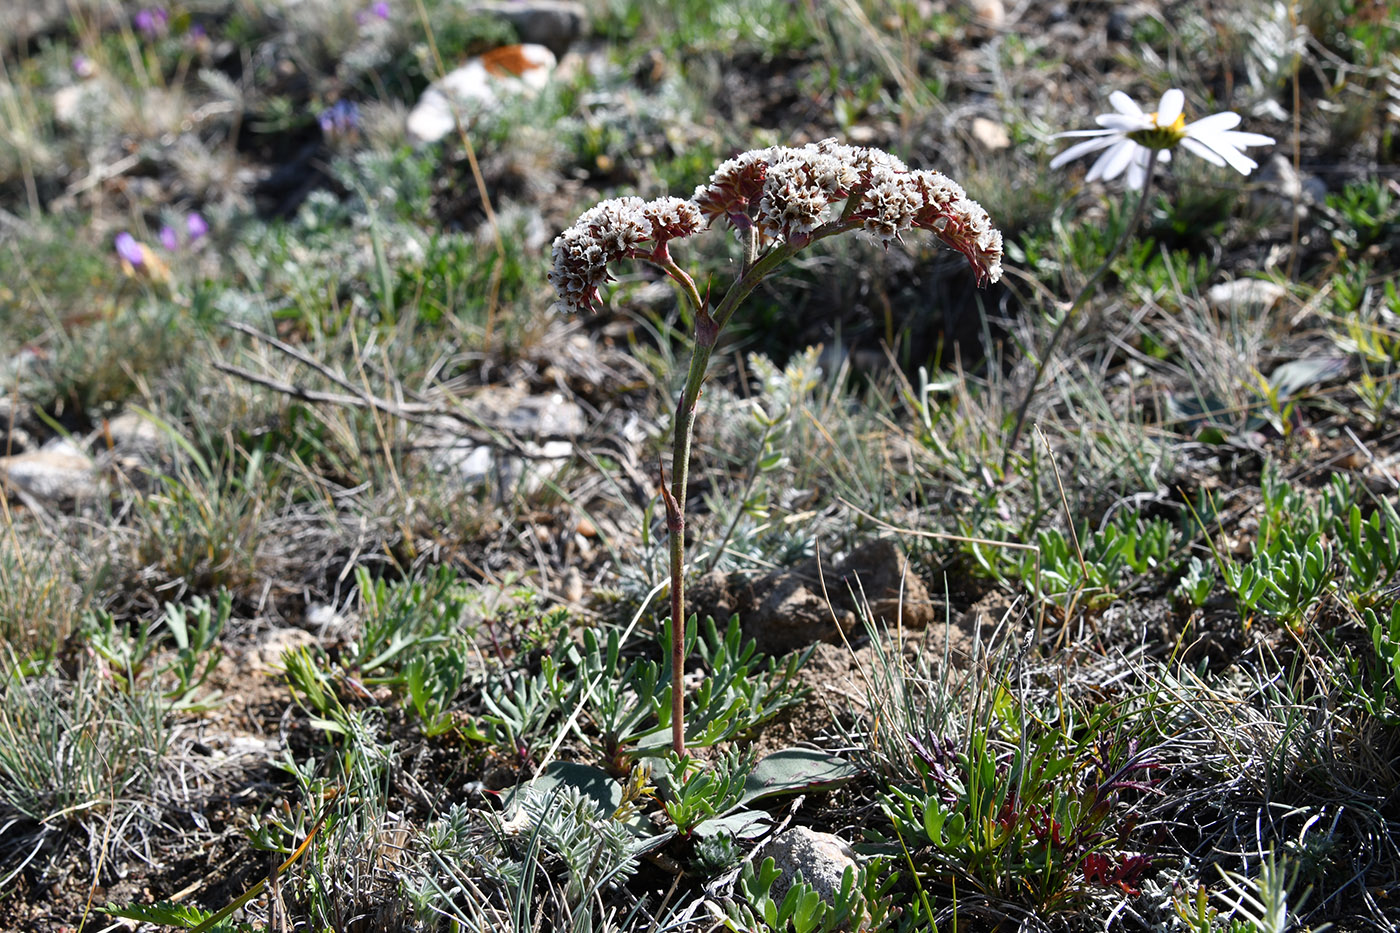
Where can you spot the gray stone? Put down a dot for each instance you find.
(543, 427)
(554, 24)
(58, 472)
(821, 858)
(789, 609)
(1245, 295)
(1278, 189)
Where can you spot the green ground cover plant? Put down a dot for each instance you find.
(556, 525)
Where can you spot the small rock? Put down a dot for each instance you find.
(821, 858)
(786, 610)
(324, 618)
(472, 465)
(58, 472)
(991, 134)
(1120, 26)
(543, 425)
(131, 430)
(1280, 189)
(1245, 295)
(573, 585)
(554, 24)
(988, 12)
(132, 443)
(549, 415)
(476, 87)
(267, 655)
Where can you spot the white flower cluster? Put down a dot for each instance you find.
(788, 193)
(784, 193)
(620, 228)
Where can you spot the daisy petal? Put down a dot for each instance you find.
(1238, 160)
(1244, 140)
(1084, 148)
(1123, 124)
(1124, 104)
(1196, 148)
(1170, 107)
(1137, 172)
(1214, 123)
(1111, 164)
(1072, 133)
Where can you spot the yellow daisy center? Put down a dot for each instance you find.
(1158, 136)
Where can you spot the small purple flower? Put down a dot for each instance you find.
(341, 119)
(168, 239)
(151, 22)
(195, 225)
(129, 250)
(380, 9)
(83, 66)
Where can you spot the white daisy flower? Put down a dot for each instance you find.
(1129, 135)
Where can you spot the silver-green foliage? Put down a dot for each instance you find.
(862, 902)
(488, 861)
(74, 750)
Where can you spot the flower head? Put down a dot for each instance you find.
(341, 120)
(787, 193)
(138, 260)
(619, 228)
(782, 194)
(168, 239)
(1129, 135)
(129, 251)
(151, 22)
(195, 225)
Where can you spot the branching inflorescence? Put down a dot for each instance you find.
(777, 201)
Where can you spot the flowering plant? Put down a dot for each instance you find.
(778, 201)
(1133, 141)
(1130, 137)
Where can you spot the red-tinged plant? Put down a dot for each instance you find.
(777, 201)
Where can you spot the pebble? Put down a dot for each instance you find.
(822, 858)
(58, 472)
(476, 87)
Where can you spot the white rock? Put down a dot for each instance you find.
(822, 858)
(266, 656)
(57, 472)
(988, 12)
(991, 134)
(1245, 294)
(472, 465)
(132, 430)
(325, 617)
(476, 87)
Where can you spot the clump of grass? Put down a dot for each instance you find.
(40, 599)
(76, 754)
